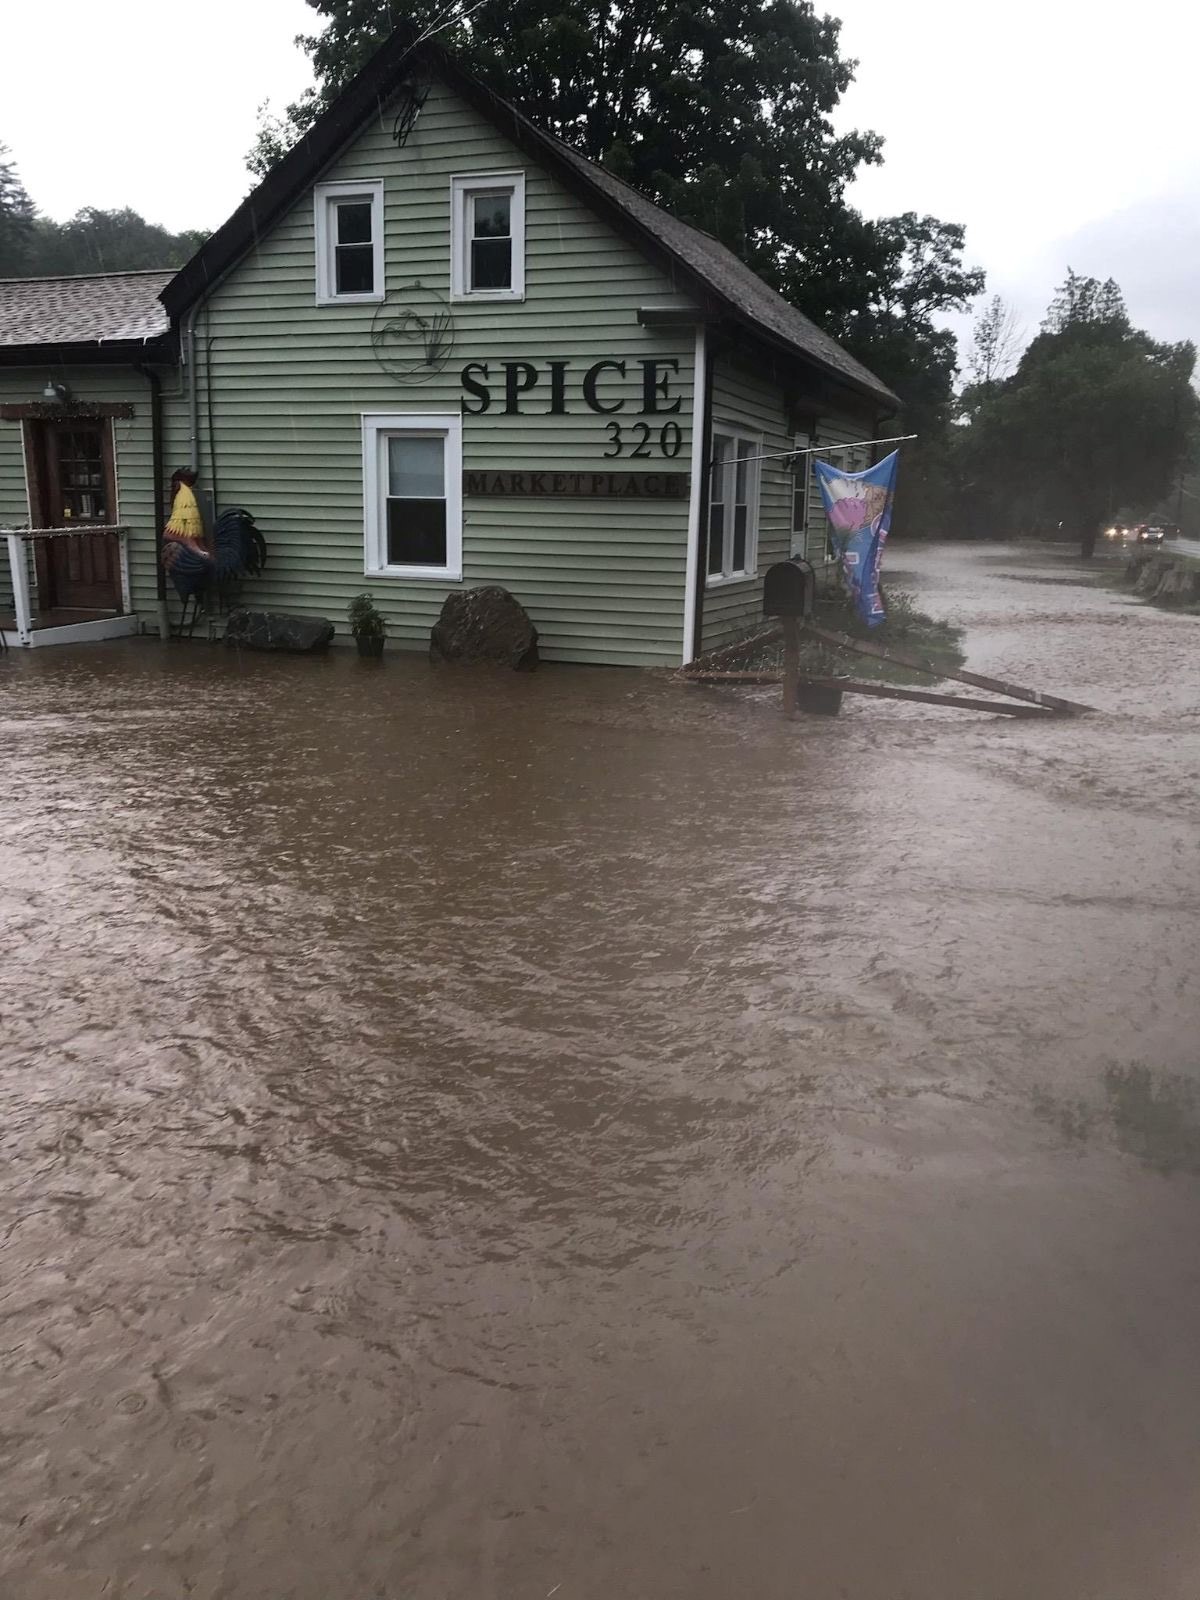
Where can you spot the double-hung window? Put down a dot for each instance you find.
(487, 236)
(349, 235)
(802, 475)
(412, 495)
(733, 506)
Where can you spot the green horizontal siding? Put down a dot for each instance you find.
(603, 581)
(745, 400)
(748, 400)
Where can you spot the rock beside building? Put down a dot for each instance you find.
(486, 624)
(278, 630)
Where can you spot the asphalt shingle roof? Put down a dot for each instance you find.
(84, 310)
(730, 278)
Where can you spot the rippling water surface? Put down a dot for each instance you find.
(472, 1137)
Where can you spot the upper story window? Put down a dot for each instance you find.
(733, 506)
(349, 235)
(487, 236)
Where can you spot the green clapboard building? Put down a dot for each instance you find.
(435, 347)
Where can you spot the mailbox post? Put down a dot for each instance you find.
(788, 594)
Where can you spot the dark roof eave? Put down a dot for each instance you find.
(773, 342)
(162, 349)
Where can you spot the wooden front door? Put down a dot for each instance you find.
(75, 485)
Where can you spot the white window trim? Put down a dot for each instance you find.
(722, 580)
(832, 457)
(799, 536)
(324, 194)
(462, 189)
(377, 426)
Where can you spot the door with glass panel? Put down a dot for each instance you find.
(73, 486)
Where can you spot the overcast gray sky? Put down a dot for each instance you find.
(1059, 131)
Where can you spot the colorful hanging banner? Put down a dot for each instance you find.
(859, 508)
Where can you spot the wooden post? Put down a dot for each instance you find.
(1015, 691)
(791, 665)
(961, 702)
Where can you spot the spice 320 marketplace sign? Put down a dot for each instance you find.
(620, 391)
(568, 485)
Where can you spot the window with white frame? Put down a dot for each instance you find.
(487, 236)
(802, 474)
(733, 505)
(412, 496)
(833, 458)
(349, 235)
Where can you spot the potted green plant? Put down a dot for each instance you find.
(367, 625)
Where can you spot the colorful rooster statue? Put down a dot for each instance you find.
(238, 549)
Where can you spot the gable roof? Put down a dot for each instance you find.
(698, 262)
(728, 277)
(96, 309)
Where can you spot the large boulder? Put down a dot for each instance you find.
(278, 630)
(1147, 574)
(486, 624)
(1169, 579)
(1180, 584)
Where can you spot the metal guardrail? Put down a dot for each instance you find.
(18, 538)
(80, 532)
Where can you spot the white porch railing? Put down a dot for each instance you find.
(19, 542)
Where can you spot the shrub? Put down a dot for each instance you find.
(366, 620)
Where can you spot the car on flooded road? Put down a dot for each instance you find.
(1149, 533)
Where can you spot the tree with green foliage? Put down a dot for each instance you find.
(1081, 302)
(93, 240)
(1097, 416)
(996, 341)
(17, 213)
(721, 113)
(109, 241)
(909, 272)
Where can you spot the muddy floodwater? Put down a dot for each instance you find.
(475, 1137)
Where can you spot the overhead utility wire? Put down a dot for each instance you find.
(817, 450)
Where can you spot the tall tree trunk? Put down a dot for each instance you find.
(1087, 540)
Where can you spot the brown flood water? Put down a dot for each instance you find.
(478, 1138)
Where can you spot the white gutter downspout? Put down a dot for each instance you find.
(696, 500)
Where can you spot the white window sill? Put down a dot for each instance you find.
(419, 574)
(351, 299)
(487, 297)
(730, 582)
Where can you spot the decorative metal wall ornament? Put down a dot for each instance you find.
(411, 96)
(412, 334)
